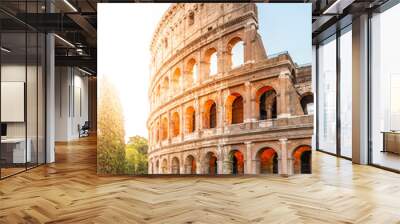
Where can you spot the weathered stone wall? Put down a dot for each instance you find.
(182, 105)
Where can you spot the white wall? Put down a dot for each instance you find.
(71, 102)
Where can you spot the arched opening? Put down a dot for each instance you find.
(302, 159)
(211, 163)
(190, 165)
(237, 162)
(175, 124)
(307, 103)
(164, 128)
(176, 80)
(211, 61)
(165, 87)
(210, 114)
(158, 132)
(234, 109)
(268, 161)
(267, 102)
(157, 167)
(175, 165)
(236, 51)
(190, 120)
(164, 167)
(191, 73)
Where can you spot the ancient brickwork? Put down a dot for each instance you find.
(212, 115)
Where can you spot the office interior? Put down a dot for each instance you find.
(357, 110)
(48, 79)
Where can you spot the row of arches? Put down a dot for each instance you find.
(266, 162)
(266, 104)
(190, 75)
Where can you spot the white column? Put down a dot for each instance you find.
(50, 96)
(360, 90)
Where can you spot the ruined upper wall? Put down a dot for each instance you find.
(185, 23)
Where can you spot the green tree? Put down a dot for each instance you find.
(136, 155)
(111, 132)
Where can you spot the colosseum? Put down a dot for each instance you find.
(216, 111)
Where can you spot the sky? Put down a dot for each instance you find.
(125, 31)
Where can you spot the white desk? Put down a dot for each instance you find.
(18, 144)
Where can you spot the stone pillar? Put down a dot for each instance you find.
(249, 43)
(182, 166)
(283, 95)
(227, 163)
(249, 157)
(220, 112)
(182, 123)
(220, 162)
(247, 103)
(197, 115)
(198, 166)
(169, 131)
(283, 166)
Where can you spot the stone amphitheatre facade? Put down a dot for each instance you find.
(216, 111)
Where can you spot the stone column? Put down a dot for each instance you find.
(169, 131)
(198, 166)
(227, 164)
(220, 160)
(283, 166)
(220, 112)
(249, 43)
(247, 103)
(182, 166)
(197, 115)
(248, 163)
(283, 95)
(182, 123)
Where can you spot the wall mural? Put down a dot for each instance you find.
(195, 89)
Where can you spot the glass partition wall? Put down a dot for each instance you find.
(334, 85)
(22, 78)
(385, 89)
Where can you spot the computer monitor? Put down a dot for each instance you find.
(3, 129)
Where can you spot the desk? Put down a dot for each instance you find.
(391, 141)
(13, 150)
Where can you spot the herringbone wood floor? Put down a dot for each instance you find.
(69, 191)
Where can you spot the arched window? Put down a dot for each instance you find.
(302, 159)
(165, 86)
(268, 161)
(158, 89)
(267, 102)
(175, 124)
(234, 109)
(237, 161)
(164, 128)
(211, 163)
(307, 103)
(211, 61)
(190, 120)
(176, 80)
(236, 50)
(210, 114)
(175, 165)
(190, 165)
(191, 75)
